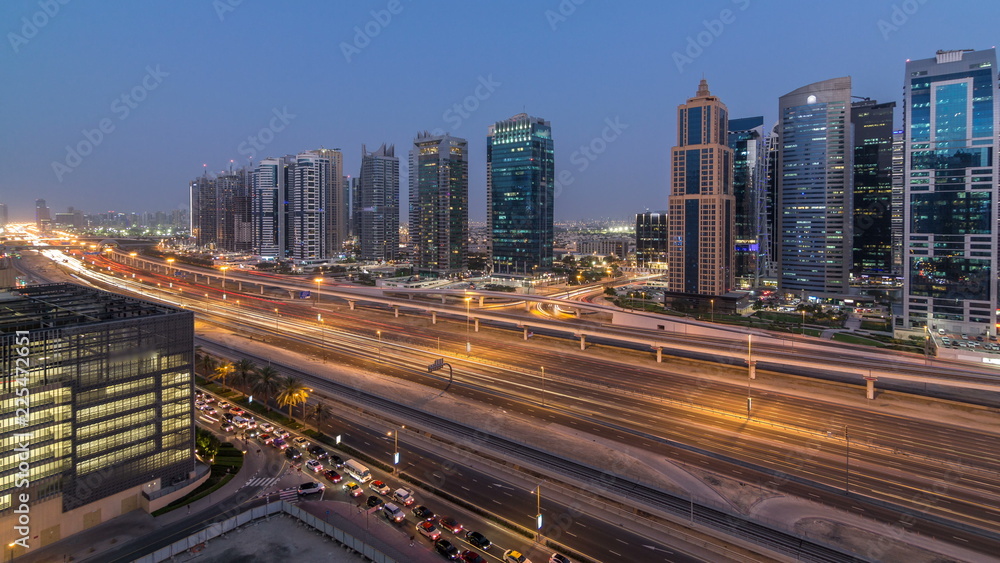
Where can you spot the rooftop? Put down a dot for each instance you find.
(39, 307)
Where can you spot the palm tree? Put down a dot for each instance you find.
(222, 371)
(266, 382)
(206, 363)
(293, 392)
(319, 412)
(243, 371)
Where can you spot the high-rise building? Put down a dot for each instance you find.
(43, 220)
(701, 205)
(108, 386)
(3, 215)
(439, 203)
(898, 169)
(232, 194)
(651, 239)
(951, 114)
(350, 196)
(378, 191)
(270, 206)
(337, 209)
(872, 125)
(520, 192)
(746, 138)
(770, 244)
(307, 192)
(205, 216)
(814, 189)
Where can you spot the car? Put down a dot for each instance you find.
(282, 433)
(292, 453)
(301, 442)
(318, 452)
(237, 411)
(250, 422)
(199, 404)
(393, 513)
(979, 338)
(428, 530)
(228, 416)
(227, 427)
(332, 475)
(965, 336)
(379, 487)
(253, 433)
(446, 549)
(375, 502)
(404, 496)
(266, 426)
(423, 513)
(353, 489)
(470, 556)
(225, 405)
(279, 443)
(337, 461)
(210, 411)
(559, 558)
(940, 331)
(209, 399)
(265, 437)
(478, 540)
(311, 487)
(314, 465)
(239, 421)
(514, 556)
(450, 524)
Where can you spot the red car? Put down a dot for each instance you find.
(332, 475)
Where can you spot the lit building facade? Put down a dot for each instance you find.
(872, 191)
(701, 214)
(950, 192)
(651, 239)
(814, 190)
(378, 204)
(746, 138)
(520, 194)
(270, 206)
(439, 203)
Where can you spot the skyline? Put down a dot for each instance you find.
(71, 74)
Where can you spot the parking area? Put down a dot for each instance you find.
(971, 343)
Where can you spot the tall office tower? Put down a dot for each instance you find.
(520, 191)
(205, 211)
(898, 169)
(307, 191)
(336, 210)
(770, 237)
(349, 195)
(355, 207)
(701, 219)
(950, 192)
(232, 193)
(379, 202)
(651, 239)
(270, 206)
(814, 189)
(110, 427)
(439, 203)
(746, 138)
(872, 125)
(43, 219)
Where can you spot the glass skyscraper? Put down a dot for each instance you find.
(746, 138)
(520, 188)
(439, 203)
(378, 193)
(950, 192)
(872, 193)
(814, 187)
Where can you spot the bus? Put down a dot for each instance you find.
(358, 471)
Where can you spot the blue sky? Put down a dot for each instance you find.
(175, 85)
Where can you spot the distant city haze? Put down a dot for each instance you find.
(117, 106)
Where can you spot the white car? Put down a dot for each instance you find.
(266, 426)
(224, 405)
(404, 497)
(301, 442)
(281, 433)
(314, 465)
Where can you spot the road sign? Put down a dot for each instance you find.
(438, 364)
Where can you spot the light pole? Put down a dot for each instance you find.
(11, 546)
(170, 266)
(133, 255)
(538, 511)
(224, 269)
(275, 319)
(468, 343)
(379, 334)
(322, 335)
(395, 450)
(751, 373)
(318, 282)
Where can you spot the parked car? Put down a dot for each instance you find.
(311, 487)
(478, 540)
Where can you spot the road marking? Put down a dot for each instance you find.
(621, 540)
(496, 501)
(615, 552)
(960, 539)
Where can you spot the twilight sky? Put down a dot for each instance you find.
(175, 85)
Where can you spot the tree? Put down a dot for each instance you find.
(610, 291)
(320, 411)
(206, 444)
(266, 382)
(243, 372)
(206, 363)
(293, 393)
(221, 371)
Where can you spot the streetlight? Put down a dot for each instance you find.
(224, 268)
(395, 449)
(322, 335)
(11, 546)
(170, 264)
(468, 343)
(133, 255)
(712, 301)
(276, 319)
(379, 334)
(803, 326)
(538, 509)
(318, 282)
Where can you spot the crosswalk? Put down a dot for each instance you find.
(264, 482)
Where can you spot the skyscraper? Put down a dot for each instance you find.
(42, 217)
(872, 125)
(336, 210)
(898, 169)
(520, 192)
(378, 190)
(307, 193)
(205, 216)
(746, 138)
(814, 189)
(234, 218)
(270, 206)
(651, 239)
(439, 203)
(702, 208)
(950, 192)
(3, 215)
